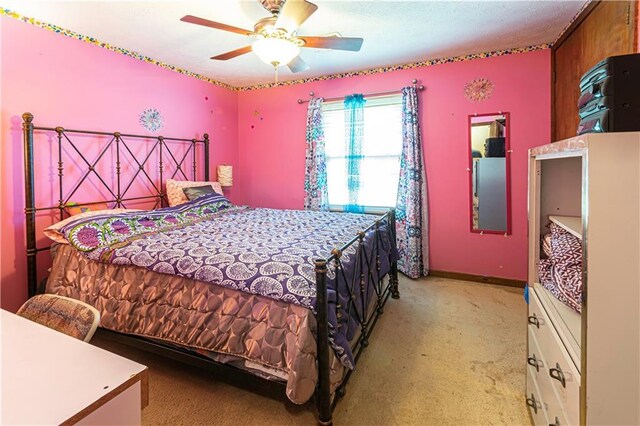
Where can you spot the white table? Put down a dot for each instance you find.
(51, 378)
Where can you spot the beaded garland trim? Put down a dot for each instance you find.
(378, 70)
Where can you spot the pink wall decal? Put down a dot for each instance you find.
(69, 83)
(272, 149)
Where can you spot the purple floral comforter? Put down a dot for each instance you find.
(259, 251)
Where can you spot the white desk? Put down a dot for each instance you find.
(51, 378)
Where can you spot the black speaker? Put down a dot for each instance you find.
(610, 96)
(494, 147)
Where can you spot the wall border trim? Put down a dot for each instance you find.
(135, 55)
(378, 70)
(420, 64)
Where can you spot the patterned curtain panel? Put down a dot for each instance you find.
(354, 128)
(316, 196)
(411, 207)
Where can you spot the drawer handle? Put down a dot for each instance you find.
(533, 361)
(556, 423)
(533, 320)
(558, 374)
(531, 402)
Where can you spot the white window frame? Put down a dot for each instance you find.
(338, 105)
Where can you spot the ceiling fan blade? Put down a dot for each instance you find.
(212, 24)
(232, 54)
(298, 64)
(337, 43)
(294, 13)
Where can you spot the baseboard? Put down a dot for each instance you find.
(478, 278)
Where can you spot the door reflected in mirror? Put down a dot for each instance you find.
(489, 171)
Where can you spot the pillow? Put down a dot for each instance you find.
(176, 196)
(53, 231)
(75, 208)
(194, 192)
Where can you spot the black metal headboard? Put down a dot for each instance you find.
(120, 185)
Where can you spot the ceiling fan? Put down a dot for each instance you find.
(276, 40)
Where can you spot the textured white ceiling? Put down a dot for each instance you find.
(394, 32)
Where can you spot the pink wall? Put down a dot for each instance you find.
(272, 147)
(70, 83)
(66, 82)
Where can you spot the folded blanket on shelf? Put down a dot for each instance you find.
(561, 273)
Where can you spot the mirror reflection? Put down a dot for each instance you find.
(489, 146)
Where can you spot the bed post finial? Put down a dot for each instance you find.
(206, 156)
(29, 203)
(322, 309)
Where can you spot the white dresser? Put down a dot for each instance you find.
(50, 378)
(585, 368)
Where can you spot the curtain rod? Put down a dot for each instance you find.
(390, 92)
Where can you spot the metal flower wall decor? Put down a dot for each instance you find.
(151, 119)
(478, 89)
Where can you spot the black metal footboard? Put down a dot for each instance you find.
(364, 275)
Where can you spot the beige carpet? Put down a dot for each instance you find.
(447, 353)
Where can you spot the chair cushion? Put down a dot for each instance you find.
(69, 316)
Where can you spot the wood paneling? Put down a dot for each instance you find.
(607, 29)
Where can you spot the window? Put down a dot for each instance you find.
(381, 149)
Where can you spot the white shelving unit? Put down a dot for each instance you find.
(589, 185)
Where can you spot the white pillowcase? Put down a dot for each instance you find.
(175, 194)
(53, 231)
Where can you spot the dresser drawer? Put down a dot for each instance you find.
(560, 374)
(539, 369)
(538, 319)
(536, 406)
(535, 361)
(556, 411)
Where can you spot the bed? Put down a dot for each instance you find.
(290, 296)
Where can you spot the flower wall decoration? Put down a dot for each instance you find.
(151, 119)
(478, 89)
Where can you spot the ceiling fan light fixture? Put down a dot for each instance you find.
(275, 51)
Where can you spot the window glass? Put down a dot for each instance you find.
(382, 147)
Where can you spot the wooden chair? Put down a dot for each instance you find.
(69, 316)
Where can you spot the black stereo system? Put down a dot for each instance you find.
(494, 147)
(610, 96)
